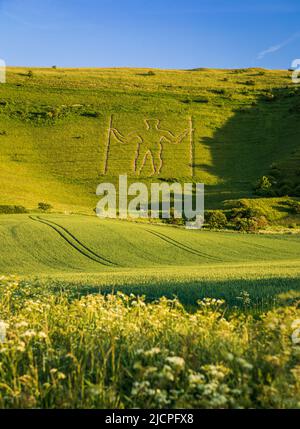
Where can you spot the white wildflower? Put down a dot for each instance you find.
(22, 324)
(30, 333)
(3, 328)
(176, 362)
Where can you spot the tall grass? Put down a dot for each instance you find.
(117, 351)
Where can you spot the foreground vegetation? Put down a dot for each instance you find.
(59, 350)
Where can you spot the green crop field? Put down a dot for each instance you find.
(127, 314)
(148, 259)
(76, 243)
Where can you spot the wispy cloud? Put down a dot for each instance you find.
(16, 11)
(278, 47)
(17, 18)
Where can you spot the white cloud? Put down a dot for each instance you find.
(278, 47)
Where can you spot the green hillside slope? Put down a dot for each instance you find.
(62, 132)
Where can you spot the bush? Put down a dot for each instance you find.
(276, 173)
(245, 212)
(186, 101)
(174, 220)
(269, 97)
(263, 186)
(293, 225)
(297, 191)
(285, 190)
(150, 73)
(248, 219)
(12, 209)
(54, 113)
(30, 73)
(252, 224)
(219, 91)
(91, 114)
(294, 207)
(44, 207)
(201, 99)
(216, 219)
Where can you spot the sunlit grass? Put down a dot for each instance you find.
(119, 352)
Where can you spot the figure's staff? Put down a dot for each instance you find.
(192, 148)
(108, 145)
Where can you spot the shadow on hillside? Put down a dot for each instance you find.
(256, 137)
(263, 293)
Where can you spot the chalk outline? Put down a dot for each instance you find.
(135, 134)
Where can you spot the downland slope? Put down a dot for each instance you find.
(63, 131)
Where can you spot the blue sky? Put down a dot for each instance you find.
(150, 33)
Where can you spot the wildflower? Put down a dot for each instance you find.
(230, 357)
(30, 333)
(3, 328)
(176, 362)
(244, 364)
(195, 379)
(273, 360)
(296, 372)
(42, 335)
(21, 347)
(150, 370)
(22, 324)
(217, 372)
(152, 352)
(167, 373)
(244, 298)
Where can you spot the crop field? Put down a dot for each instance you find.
(150, 260)
(74, 243)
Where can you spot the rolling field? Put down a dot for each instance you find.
(76, 243)
(92, 255)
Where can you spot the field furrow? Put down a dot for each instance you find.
(74, 242)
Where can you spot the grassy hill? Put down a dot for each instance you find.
(56, 143)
